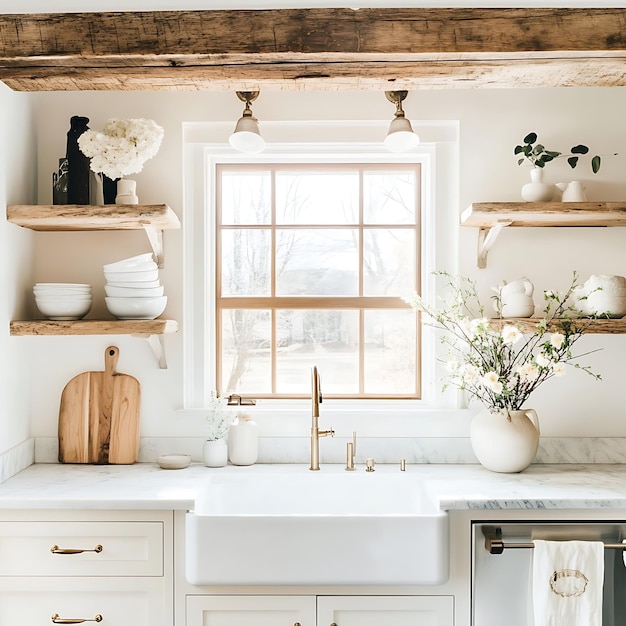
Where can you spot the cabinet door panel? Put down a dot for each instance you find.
(385, 610)
(250, 610)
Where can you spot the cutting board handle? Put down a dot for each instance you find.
(111, 355)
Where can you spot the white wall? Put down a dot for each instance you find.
(18, 170)
(491, 123)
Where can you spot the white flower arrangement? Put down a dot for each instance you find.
(493, 361)
(122, 146)
(219, 417)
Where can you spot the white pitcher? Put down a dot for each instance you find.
(572, 192)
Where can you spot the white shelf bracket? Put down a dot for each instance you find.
(486, 239)
(157, 343)
(155, 237)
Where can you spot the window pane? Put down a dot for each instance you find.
(317, 197)
(390, 352)
(328, 339)
(246, 352)
(317, 262)
(388, 261)
(246, 198)
(389, 198)
(246, 262)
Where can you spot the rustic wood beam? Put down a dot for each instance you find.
(314, 49)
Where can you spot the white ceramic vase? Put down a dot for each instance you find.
(215, 453)
(536, 190)
(505, 441)
(126, 192)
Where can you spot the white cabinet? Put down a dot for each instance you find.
(92, 566)
(320, 611)
(250, 610)
(385, 611)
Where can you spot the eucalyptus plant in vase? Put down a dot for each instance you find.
(530, 151)
(218, 419)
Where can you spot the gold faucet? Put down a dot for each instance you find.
(316, 433)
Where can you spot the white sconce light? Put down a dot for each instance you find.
(247, 137)
(400, 136)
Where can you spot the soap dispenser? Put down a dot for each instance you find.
(243, 444)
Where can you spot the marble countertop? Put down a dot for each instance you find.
(454, 487)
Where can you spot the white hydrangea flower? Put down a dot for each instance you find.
(470, 374)
(122, 147)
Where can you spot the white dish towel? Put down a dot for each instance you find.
(567, 583)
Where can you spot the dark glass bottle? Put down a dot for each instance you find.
(77, 163)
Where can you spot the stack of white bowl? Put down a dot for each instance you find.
(133, 290)
(63, 301)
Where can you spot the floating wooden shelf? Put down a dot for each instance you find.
(592, 327)
(152, 218)
(492, 217)
(152, 330)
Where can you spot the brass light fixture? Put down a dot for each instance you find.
(247, 137)
(400, 136)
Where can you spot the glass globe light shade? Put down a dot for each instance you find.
(400, 136)
(247, 137)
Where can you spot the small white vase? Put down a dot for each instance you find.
(215, 453)
(505, 441)
(126, 192)
(537, 190)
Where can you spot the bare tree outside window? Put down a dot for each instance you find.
(312, 262)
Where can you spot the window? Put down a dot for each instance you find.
(312, 261)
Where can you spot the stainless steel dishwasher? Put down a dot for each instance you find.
(502, 568)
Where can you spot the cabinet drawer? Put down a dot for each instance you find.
(82, 549)
(121, 606)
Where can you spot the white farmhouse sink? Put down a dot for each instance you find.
(327, 527)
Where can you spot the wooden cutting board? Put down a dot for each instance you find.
(99, 416)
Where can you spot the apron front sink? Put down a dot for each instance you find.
(299, 527)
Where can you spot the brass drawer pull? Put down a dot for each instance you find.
(58, 620)
(57, 550)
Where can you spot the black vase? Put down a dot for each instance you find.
(77, 163)
(109, 189)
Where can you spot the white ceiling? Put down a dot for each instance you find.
(72, 6)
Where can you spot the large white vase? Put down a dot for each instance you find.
(536, 190)
(505, 441)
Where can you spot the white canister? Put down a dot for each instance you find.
(243, 440)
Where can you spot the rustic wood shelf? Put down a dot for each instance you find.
(151, 218)
(592, 326)
(491, 217)
(152, 330)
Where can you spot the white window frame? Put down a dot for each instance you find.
(438, 159)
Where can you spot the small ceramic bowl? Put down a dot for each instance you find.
(174, 461)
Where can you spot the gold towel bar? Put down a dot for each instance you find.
(494, 543)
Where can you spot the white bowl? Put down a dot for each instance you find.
(136, 308)
(64, 308)
(174, 461)
(144, 284)
(133, 261)
(137, 267)
(56, 293)
(64, 285)
(131, 292)
(131, 277)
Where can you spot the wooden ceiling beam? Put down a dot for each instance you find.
(314, 49)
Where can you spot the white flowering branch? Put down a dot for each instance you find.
(494, 361)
